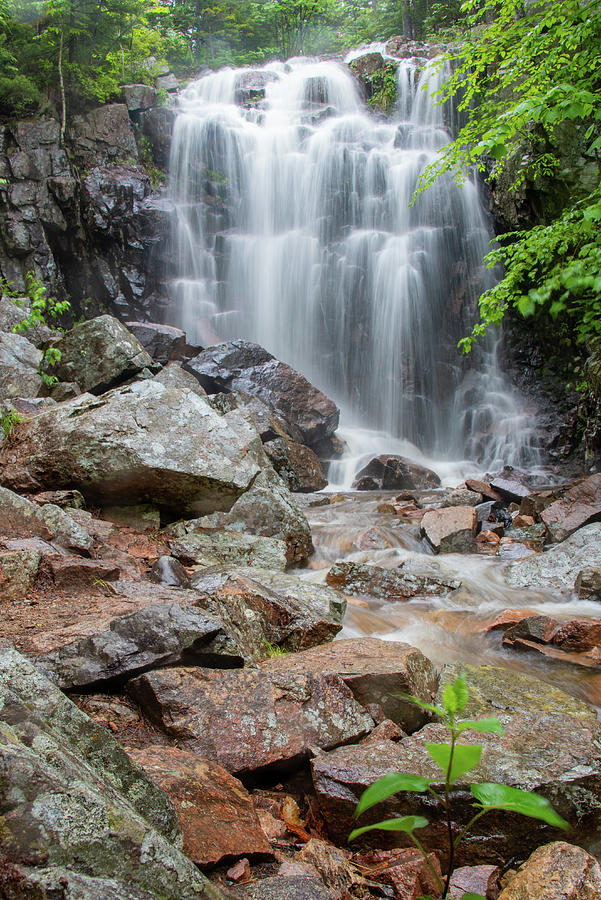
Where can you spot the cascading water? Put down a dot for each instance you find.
(295, 229)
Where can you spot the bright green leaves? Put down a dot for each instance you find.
(498, 796)
(388, 785)
(483, 726)
(455, 761)
(408, 824)
(455, 696)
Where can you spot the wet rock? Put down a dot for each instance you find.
(294, 887)
(249, 721)
(167, 82)
(557, 871)
(71, 573)
(298, 466)
(562, 762)
(13, 311)
(484, 488)
(104, 135)
(111, 199)
(64, 390)
(588, 583)
(405, 870)
(19, 363)
(361, 579)
(262, 417)
(512, 484)
(262, 607)
(267, 509)
(152, 636)
(216, 813)
(173, 376)
(213, 548)
(333, 866)
(18, 572)
(243, 366)
(577, 506)
(531, 535)
(375, 671)
(461, 497)
(168, 570)
(533, 628)
(392, 473)
(139, 96)
(368, 64)
(451, 530)
(170, 448)
(20, 517)
(483, 880)
(157, 126)
(100, 354)
(76, 807)
(560, 564)
(505, 619)
(163, 343)
(250, 86)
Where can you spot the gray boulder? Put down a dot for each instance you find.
(163, 342)
(139, 96)
(20, 517)
(19, 364)
(560, 564)
(76, 806)
(104, 135)
(141, 443)
(243, 366)
(218, 548)
(99, 354)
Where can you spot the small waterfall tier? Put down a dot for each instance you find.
(295, 228)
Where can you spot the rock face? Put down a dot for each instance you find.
(170, 448)
(243, 366)
(19, 363)
(557, 871)
(216, 813)
(559, 565)
(218, 548)
(450, 530)
(103, 135)
(298, 466)
(394, 473)
(360, 579)
(375, 671)
(576, 507)
(260, 606)
(100, 354)
(139, 96)
(162, 342)
(75, 807)
(249, 721)
(267, 509)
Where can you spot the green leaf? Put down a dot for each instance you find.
(499, 796)
(421, 703)
(471, 896)
(483, 726)
(455, 696)
(388, 785)
(406, 823)
(465, 758)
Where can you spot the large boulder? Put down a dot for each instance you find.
(551, 746)
(261, 607)
(560, 565)
(297, 465)
(19, 365)
(216, 813)
(450, 530)
(78, 815)
(394, 473)
(163, 342)
(219, 548)
(139, 96)
(361, 579)
(578, 505)
(267, 509)
(141, 443)
(20, 517)
(376, 671)
(243, 366)
(99, 354)
(251, 721)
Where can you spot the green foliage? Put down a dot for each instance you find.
(454, 760)
(9, 419)
(273, 650)
(384, 85)
(42, 309)
(526, 75)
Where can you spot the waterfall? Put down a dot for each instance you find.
(295, 229)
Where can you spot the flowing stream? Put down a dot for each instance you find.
(295, 229)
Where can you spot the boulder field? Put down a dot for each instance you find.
(180, 716)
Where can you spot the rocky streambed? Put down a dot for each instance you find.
(202, 657)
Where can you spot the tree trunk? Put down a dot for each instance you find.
(61, 82)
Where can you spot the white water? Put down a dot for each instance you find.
(295, 230)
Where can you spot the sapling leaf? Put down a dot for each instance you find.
(406, 823)
(471, 896)
(421, 703)
(484, 726)
(455, 696)
(465, 758)
(499, 796)
(388, 785)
